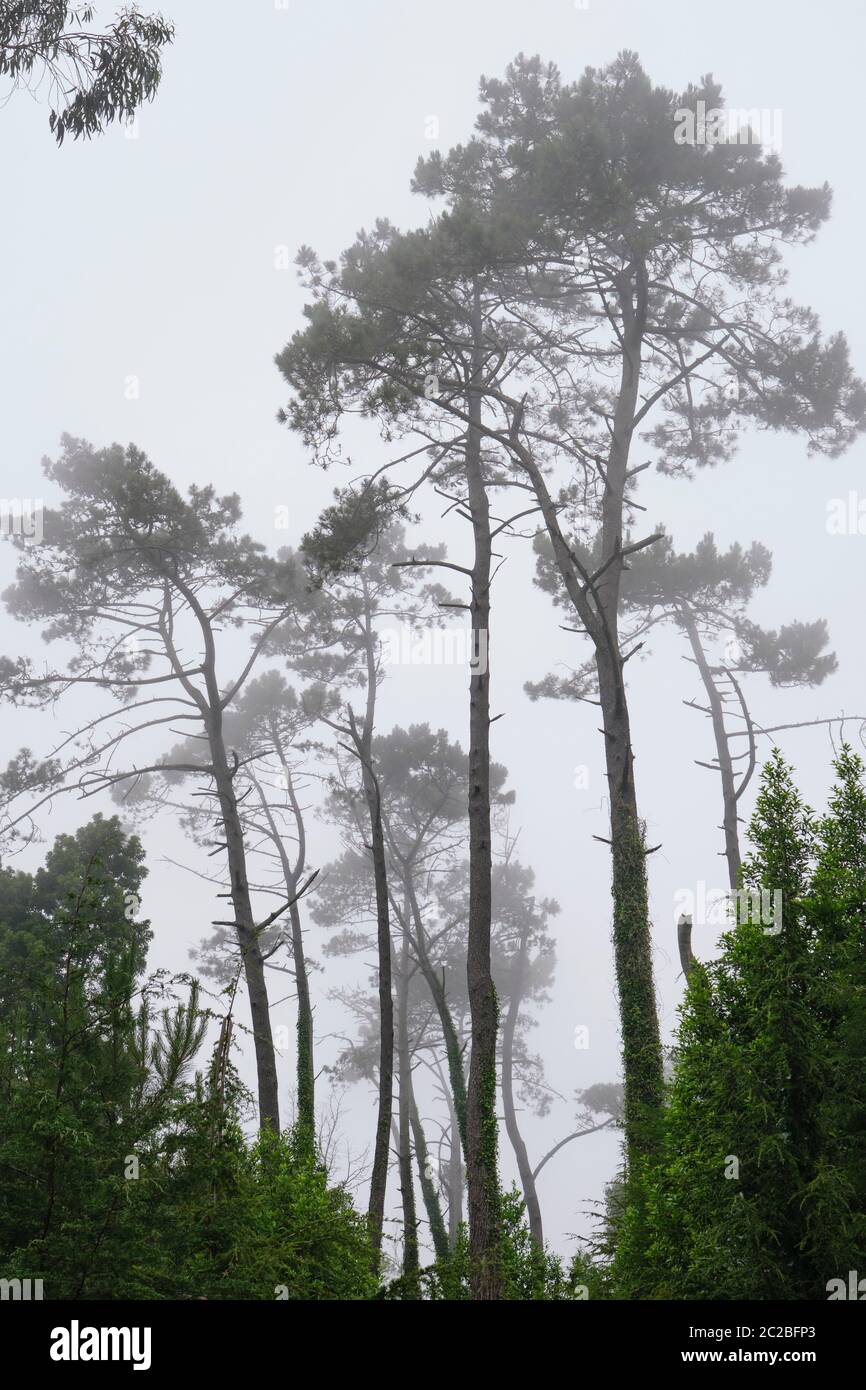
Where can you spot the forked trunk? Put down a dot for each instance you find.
(245, 928)
(509, 1029)
(432, 1205)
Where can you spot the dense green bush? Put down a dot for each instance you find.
(760, 1192)
(120, 1177)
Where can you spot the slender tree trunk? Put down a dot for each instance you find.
(455, 1179)
(509, 1028)
(596, 601)
(723, 751)
(305, 1074)
(641, 1041)
(404, 1124)
(432, 1205)
(385, 1102)
(684, 944)
(305, 1069)
(434, 982)
(245, 927)
(211, 710)
(379, 1178)
(481, 1125)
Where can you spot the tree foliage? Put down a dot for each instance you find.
(93, 77)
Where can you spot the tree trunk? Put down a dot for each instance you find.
(524, 1167)
(723, 751)
(432, 1205)
(453, 1050)
(596, 601)
(305, 1066)
(385, 1101)
(481, 1126)
(305, 1075)
(684, 944)
(455, 1179)
(245, 927)
(404, 1125)
(379, 1177)
(305, 1071)
(641, 1041)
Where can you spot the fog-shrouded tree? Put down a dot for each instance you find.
(614, 283)
(422, 782)
(646, 277)
(400, 333)
(706, 595)
(523, 971)
(269, 728)
(93, 76)
(154, 594)
(354, 561)
(422, 778)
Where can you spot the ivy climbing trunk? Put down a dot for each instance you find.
(305, 1067)
(641, 1041)
(432, 1205)
(596, 600)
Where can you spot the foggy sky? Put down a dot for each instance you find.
(154, 258)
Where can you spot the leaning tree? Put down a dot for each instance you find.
(269, 728)
(151, 591)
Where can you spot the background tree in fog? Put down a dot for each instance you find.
(147, 587)
(352, 559)
(269, 729)
(706, 595)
